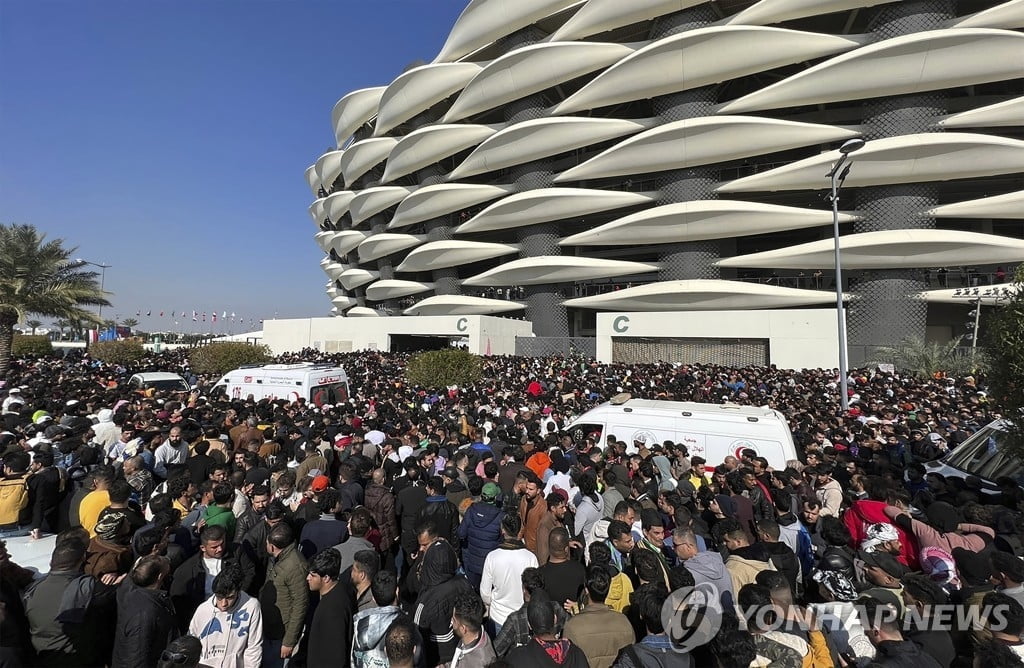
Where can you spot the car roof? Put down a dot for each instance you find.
(158, 375)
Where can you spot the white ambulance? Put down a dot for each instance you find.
(318, 384)
(712, 431)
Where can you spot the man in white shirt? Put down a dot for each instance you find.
(501, 585)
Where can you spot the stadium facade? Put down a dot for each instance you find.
(562, 159)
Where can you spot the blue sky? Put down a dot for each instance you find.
(168, 138)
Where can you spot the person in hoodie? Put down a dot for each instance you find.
(105, 432)
(707, 567)
(439, 584)
(791, 531)
(545, 649)
(480, 532)
(370, 626)
(440, 512)
(229, 624)
(828, 490)
(655, 649)
(745, 560)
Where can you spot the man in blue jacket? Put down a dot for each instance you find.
(480, 532)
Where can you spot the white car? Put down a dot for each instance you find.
(32, 553)
(159, 380)
(982, 457)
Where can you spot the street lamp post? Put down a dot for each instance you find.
(838, 175)
(103, 278)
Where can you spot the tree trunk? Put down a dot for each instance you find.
(7, 324)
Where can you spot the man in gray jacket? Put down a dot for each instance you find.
(706, 567)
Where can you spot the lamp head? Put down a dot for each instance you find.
(851, 145)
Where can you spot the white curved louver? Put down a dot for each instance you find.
(556, 269)
(419, 89)
(337, 203)
(1007, 15)
(442, 199)
(702, 295)
(312, 180)
(539, 206)
(316, 211)
(362, 312)
(776, 11)
(903, 159)
(328, 167)
(430, 144)
(891, 248)
(362, 156)
(387, 243)
(462, 305)
(370, 202)
(395, 289)
(354, 278)
(535, 139)
(1009, 113)
(484, 21)
(700, 220)
(598, 16)
(700, 57)
(902, 65)
(353, 110)
(702, 141)
(346, 241)
(1007, 207)
(452, 253)
(529, 70)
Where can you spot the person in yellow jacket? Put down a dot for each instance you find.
(13, 491)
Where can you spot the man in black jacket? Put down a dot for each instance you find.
(441, 512)
(408, 503)
(330, 631)
(193, 580)
(44, 494)
(145, 618)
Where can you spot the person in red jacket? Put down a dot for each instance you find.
(862, 514)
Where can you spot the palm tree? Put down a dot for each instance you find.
(34, 324)
(923, 359)
(61, 326)
(39, 277)
(130, 323)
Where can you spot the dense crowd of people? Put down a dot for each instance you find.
(466, 527)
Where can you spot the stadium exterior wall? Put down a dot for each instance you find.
(484, 334)
(797, 339)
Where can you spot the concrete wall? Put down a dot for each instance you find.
(485, 334)
(797, 338)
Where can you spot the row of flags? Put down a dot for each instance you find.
(197, 316)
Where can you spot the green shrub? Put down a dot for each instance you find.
(219, 358)
(123, 351)
(436, 369)
(31, 344)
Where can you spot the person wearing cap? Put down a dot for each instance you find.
(455, 490)
(13, 402)
(480, 532)
(882, 573)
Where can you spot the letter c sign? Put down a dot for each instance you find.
(462, 324)
(621, 324)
